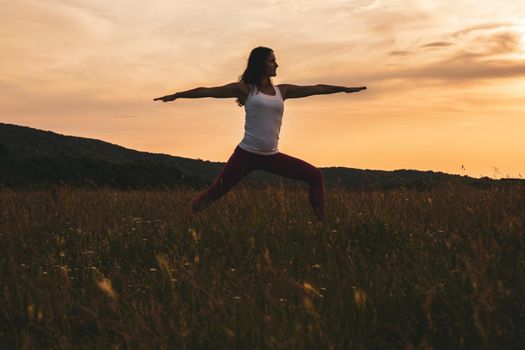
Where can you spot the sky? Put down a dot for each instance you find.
(446, 87)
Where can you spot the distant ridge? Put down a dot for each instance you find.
(37, 159)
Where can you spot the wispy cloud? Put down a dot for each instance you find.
(437, 44)
(485, 55)
(400, 53)
(498, 43)
(481, 27)
(461, 68)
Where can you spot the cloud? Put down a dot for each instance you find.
(400, 53)
(437, 44)
(390, 22)
(473, 54)
(480, 27)
(464, 67)
(499, 43)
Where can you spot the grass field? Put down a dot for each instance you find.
(396, 269)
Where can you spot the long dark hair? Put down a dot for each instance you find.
(255, 69)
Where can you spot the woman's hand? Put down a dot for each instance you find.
(166, 98)
(355, 89)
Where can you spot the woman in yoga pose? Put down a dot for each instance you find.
(263, 103)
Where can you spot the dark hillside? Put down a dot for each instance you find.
(35, 158)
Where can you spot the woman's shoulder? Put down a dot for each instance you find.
(247, 89)
(283, 88)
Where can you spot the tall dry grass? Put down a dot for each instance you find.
(391, 269)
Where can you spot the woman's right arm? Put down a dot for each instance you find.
(238, 90)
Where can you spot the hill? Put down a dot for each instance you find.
(36, 158)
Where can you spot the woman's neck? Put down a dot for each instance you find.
(266, 82)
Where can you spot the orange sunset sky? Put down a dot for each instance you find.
(445, 79)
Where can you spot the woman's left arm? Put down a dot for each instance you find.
(297, 91)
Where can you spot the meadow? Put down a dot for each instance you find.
(403, 269)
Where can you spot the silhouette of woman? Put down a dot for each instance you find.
(263, 103)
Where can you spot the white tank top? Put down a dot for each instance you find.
(264, 116)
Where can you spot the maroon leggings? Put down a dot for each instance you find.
(243, 162)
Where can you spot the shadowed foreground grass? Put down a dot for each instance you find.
(391, 269)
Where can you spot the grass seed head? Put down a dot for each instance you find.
(309, 288)
(104, 284)
(360, 298)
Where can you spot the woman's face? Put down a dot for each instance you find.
(271, 65)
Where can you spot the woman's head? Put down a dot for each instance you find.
(261, 64)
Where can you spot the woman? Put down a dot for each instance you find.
(263, 103)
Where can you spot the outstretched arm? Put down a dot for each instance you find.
(296, 91)
(225, 91)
